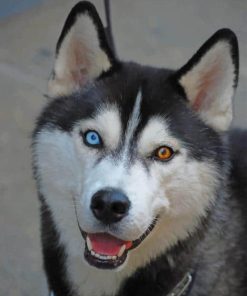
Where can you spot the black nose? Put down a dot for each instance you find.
(110, 205)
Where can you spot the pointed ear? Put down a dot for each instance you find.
(210, 77)
(82, 52)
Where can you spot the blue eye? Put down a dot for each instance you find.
(93, 139)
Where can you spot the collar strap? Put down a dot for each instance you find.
(183, 287)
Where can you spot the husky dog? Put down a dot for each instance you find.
(142, 187)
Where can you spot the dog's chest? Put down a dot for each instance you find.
(88, 281)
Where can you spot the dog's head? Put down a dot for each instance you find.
(130, 156)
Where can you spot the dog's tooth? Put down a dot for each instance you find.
(121, 251)
(103, 257)
(89, 244)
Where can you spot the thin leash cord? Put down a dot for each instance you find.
(108, 28)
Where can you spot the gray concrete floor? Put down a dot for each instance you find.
(159, 32)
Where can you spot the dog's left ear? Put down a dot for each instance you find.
(210, 77)
(82, 52)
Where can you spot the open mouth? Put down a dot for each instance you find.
(105, 251)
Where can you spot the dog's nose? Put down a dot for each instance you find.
(110, 205)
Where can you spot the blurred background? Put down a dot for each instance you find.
(157, 32)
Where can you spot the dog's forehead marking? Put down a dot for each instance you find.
(132, 123)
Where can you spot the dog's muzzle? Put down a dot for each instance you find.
(104, 250)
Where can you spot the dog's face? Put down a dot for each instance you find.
(129, 156)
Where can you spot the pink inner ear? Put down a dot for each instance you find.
(206, 85)
(80, 64)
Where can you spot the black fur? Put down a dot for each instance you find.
(54, 254)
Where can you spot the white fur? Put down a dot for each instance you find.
(132, 123)
(178, 191)
(217, 67)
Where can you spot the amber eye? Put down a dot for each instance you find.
(163, 153)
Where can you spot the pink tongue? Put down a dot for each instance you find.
(106, 244)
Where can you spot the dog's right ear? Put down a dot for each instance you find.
(82, 52)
